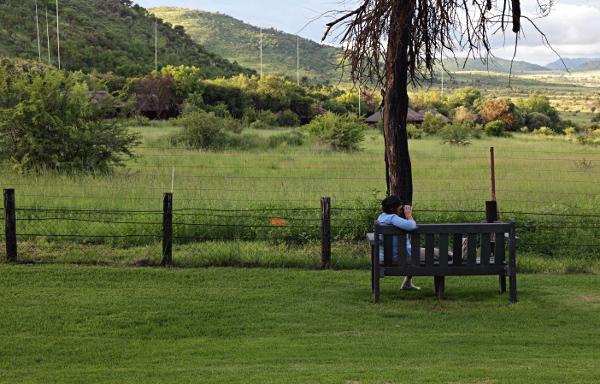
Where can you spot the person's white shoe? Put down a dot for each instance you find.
(409, 287)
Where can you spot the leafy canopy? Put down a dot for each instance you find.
(50, 121)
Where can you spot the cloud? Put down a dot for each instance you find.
(571, 29)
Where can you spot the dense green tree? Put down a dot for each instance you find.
(536, 120)
(429, 100)
(49, 121)
(464, 97)
(540, 104)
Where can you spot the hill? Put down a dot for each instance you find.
(570, 63)
(589, 66)
(102, 35)
(493, 65)
(241, 42)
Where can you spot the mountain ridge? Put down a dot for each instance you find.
(214, 30)
(102, 35)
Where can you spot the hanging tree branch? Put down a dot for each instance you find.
(438, 27)
(393, 43)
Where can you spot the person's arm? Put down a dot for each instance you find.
(405, 224)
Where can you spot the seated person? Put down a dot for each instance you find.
(399, 215)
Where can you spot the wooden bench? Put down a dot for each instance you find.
(487, 249)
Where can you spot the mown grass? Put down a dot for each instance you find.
(73, 324)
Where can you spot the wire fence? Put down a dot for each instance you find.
(265, 208)
(325, 235)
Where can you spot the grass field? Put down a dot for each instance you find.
(549, 185)
(73, 324)
(532, 174)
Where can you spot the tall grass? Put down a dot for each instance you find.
(232, 194)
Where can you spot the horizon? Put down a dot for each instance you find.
(571, 27)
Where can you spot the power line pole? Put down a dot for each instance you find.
(297, 61)
(57, 35)
(48, 35)
(37, 28)
(155, 44)
(261, 53)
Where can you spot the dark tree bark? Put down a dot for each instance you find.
(396, 106)
(393, 43)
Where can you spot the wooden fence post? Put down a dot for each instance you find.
(326, 232)
(10, 224)
(167, 230)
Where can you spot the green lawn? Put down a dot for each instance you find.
(84, 324)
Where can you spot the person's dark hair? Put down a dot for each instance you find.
(389, 203)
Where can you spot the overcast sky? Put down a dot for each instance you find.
(572, 28)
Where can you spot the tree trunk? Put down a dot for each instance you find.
(396, 102)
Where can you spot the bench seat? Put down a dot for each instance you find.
(490, 250)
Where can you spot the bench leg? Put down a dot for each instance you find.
(502, 283)
(438, 286)
(376, 289)
(513, 286)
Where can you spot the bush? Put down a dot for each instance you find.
(495, 128)
(339, 132)
(432, 124)
(544, 131)
(288, 118)
(264, 120)
(456, 133)
(204, 129)
(335, 107)
(571, 131)
(413, 132)
(48, 121)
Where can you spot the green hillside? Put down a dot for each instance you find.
(494, 65)
(589, 66)
(241, 42)
(101, 35)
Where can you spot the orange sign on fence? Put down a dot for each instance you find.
(278, 222)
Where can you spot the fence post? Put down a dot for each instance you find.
(10, 224)
(326, 232)
(167, 230)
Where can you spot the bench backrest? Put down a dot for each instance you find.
(485, 241)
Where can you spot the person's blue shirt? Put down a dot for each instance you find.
(397, 221)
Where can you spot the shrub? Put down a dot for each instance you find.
(571, 131)
(432, 123)
(288, 118)
(535, 120)
(413, 132)
(544, 131)
(456, 133)
(204, 129)
(48, 121)
(495, 128)
(335, 107)
(339, 132)
(265, 120)
(476, 131)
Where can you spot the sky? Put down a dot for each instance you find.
(572, 28)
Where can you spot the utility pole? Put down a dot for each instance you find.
(57, 35)
(297, 61)
(37, 28)
(48, 35)
(261, 59)
(155, 44)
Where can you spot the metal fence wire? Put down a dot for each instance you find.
(308, 237)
